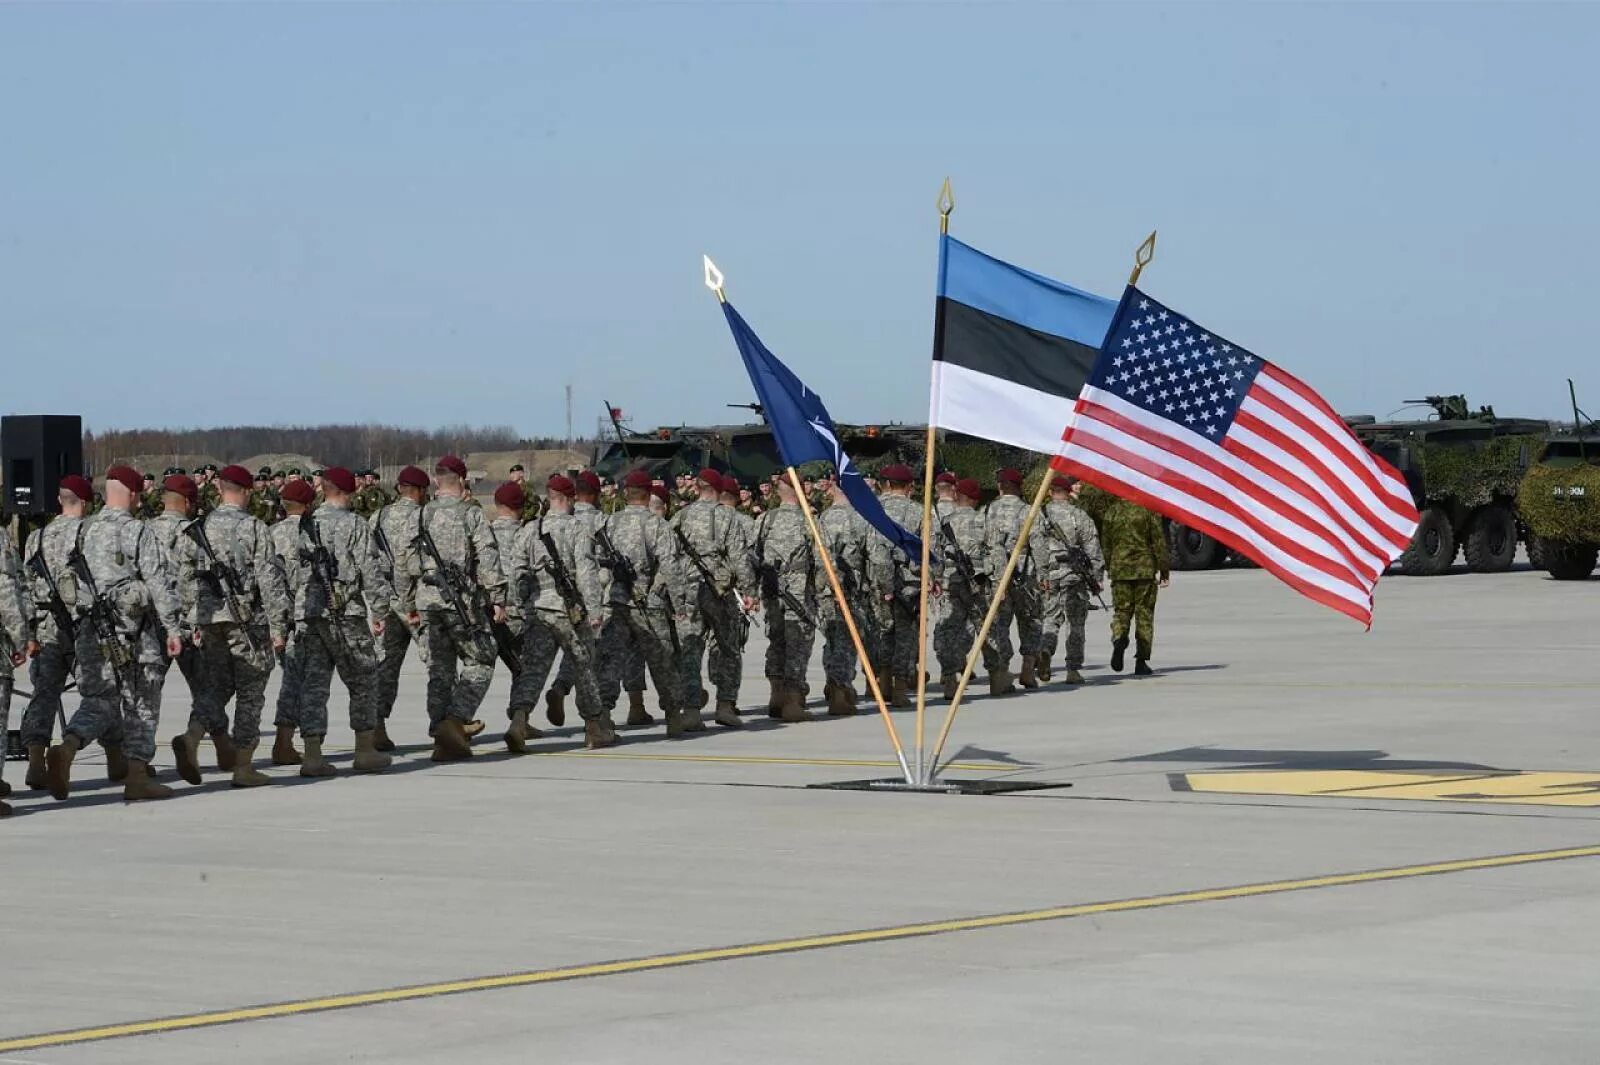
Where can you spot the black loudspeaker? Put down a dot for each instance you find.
(36, 451)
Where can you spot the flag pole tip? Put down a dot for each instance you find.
(947, 199)
(1142, 257)
(713, 278)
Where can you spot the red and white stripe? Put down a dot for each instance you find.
(1289, 486)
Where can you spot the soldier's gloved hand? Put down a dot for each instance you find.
(377, 626)
(279, 643)
(175, 645)
(500, 614)
(33, 649)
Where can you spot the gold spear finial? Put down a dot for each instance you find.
(946, 204)
(714, 279)
(1142, 257)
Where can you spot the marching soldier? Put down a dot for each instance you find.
(741, 552)
(612, 643)
(178, 497)
(1066, 553)
(237, 604)
(453, 553)
(122, 587)
(55, 613)
(208, 497)
(718, 586)
(16, 640)
(563, 610)
(1003, 520)
(1137, 562)
(894, 583)
(284, 539)
(845, 534)
(967, 574)
(507, 529)
(638, 548)
(787, 565)
(342, 606)
(392, 529)
(944, 495)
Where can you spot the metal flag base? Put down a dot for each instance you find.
(941, 787)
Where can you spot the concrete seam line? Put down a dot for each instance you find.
(189, 1022)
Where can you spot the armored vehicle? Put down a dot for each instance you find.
(1560, 501)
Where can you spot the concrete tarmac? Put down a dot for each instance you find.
(1238, 799)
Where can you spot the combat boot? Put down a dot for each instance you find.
(1000, 681)
(599, 733)
(5, 790)
(116, 763)
(638, 716)
(38, 777)
(1118, 649)
(472, 728)
(283, 752)
(451, 743)
(690, 719)
(140, 785)
(368, 758)
(1073, 677)
(186, 748)
(227, 756)
(794, 706)
(1044, 668)
(313, 764)
(517, 732)
(380, 737)
(555, 707)
(244, 770)
(899, 697)
(1027, 679)
(841, 701)
(58, 766)
(950, 682)
(727, 714)
(1141, 668)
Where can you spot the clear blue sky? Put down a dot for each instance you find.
(430, 214)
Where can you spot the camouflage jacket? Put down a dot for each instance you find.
(15, 610)
(644, 539)
(466, 546)
(1062, 528)
(1002, 522)
(845, 534)
(574, 554)
(507, 533)
(712, 533)
(129, 568)
(590, 519)
(283, 541)
(168, 528)
(360, 585)
(56, 541)
(891, 573)
(265, 506)
(369, 499)
(970, 537)
(149, 504)
(243, 549)
(392, 529)
(209, 499)
(1135, 545)
(783, 550)
(741, 542)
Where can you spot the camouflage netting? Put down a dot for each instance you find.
(1475, 476)
(1562, 518)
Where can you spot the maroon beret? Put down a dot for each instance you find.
(969, 487)
(1008, 476)
(237, 475)
(1063, 482)
(896, 474)
(558, 483)
(450, 464)
(945, 478)
(181, 484)
(127, 476)
(711, 477)
(510, 495)
(78, 486)
(730, 483)
(589, 481)
(340, 478)
(412, 477)
(661, 493)
(298, 491)
(636, 479)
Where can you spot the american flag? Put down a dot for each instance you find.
(1206, 433)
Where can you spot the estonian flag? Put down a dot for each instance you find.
(1011, 349)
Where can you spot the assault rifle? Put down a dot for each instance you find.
(566, 586)
(57, 606)
(772, 588)
(225, 580)
(1076, 558)
(970, 577)
(699, 562)
(626, 574)
(448, 579)
(103, 620)
(325, 570)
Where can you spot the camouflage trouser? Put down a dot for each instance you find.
(125, 717)
(187, 660)
(229, 668)
(325, 645)
(1069, 604)
(460, 666)
(391, 650)
(291, 680)
(718, 637)
(48, 673)
(1135, 602)
(1021, 604)
(789, 641)
(896, 653)
(645, 634)
(613, 645)
(6, 682)
(957, 628)
(544, 634)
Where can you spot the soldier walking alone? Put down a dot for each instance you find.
(1136, 560)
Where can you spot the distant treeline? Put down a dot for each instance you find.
(340, 445)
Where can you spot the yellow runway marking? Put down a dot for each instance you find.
(1535, 788)
(214, 1019)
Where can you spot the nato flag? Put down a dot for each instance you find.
(804, 431)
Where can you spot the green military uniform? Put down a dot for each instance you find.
(369, 500)
(1136, 558)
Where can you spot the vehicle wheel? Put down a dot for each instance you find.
(1536, 552)
(1433, 550)
(1193, 550)
(1491, 544)
(1570, 562)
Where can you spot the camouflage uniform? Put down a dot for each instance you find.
(337, 635)
(590, 518)
(646, 612)
(265, 507)
(149, 504)
(549, 624)
(208, 499)
(51, 668)
(1136, 557)
(1061, 529)
(394, 526)
(284, 545)
(369, 499)
(15, 628)
(130, 569)
(234, 658)
(716, 616)
(845, 534)
(168, 527)
(460, 656)
(965, 604)
(507, 533)
(785, 558)
(1002, 521)
(895, 587)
